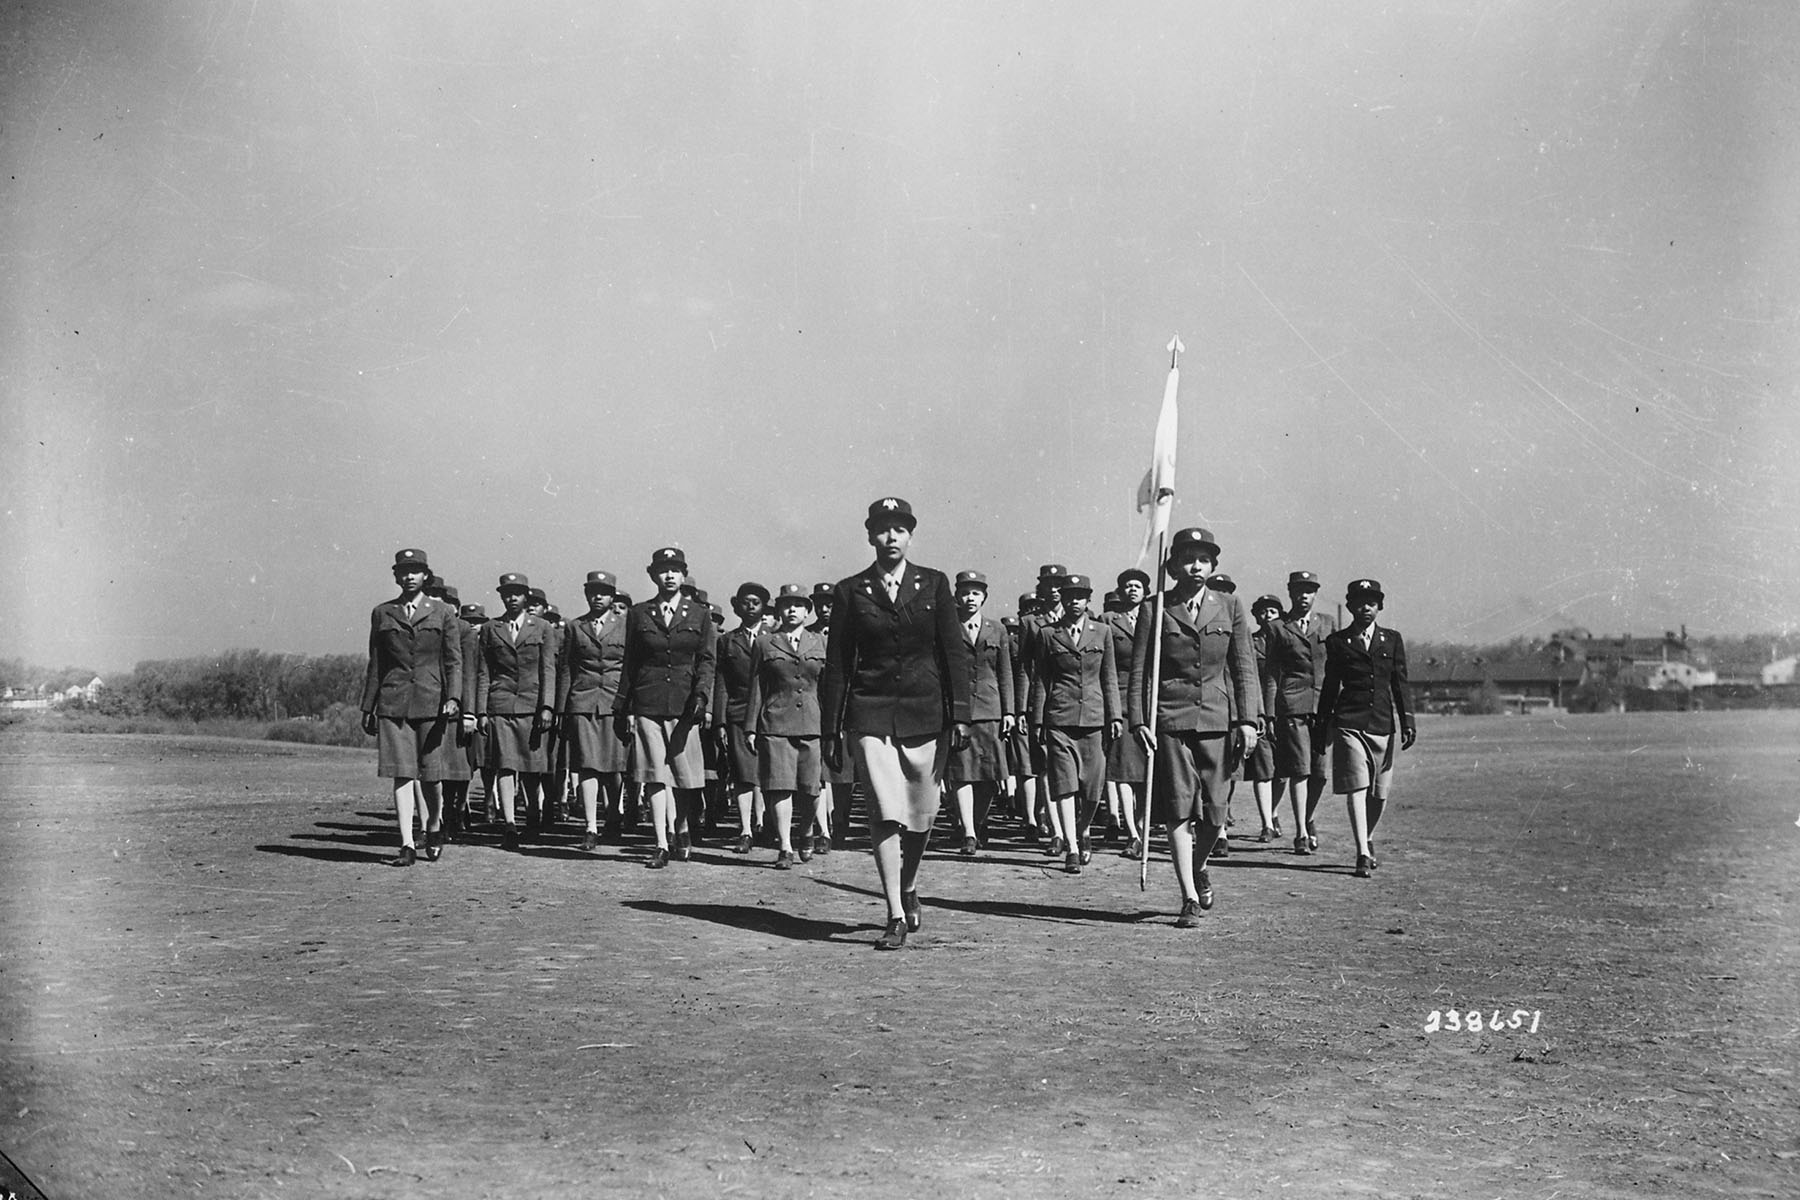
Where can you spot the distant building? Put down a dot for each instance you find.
(1779, 672)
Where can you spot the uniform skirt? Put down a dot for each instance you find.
(1076, 761)
(1361, 760)
(1127, 761)
(669, 752)
(901, 777)
(512, 746)
(1190, 777)
(452, 765)
(787, 764)
(1297, 751)
(983, 760)
(406, 749)
(593, 745)
(740, 767)
(1259, 764)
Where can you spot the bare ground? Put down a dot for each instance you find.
(211, 985)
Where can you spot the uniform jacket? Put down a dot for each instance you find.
(1024, 656)
(1208, 677)
(1297, 659)
(783, 698)
(516, 678)
(1366, 689)
(416, 665)
(1266, 677)
(667, 666)
(471, 664)
(896, 668)
(991, 693)
(1075, 680)
(593, 661)
(731, 677)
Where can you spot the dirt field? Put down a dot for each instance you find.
(210, 985)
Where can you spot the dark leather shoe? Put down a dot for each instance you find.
(434, 845)
(968, 847)
(509, 837)
(1087, 849)
(659, 858)
(1056, 848)
(590, 841)
(784, 861)
(1190, 915)
(894, 937)
(684, 848)
(821, 844)
(1204, 884)
(742, 845)
(1362, 867)
(1222, 847)
(915, 912)
(1312, 836)
(1374, 862)
(405, 858)
(1300, 846)
(803, 847)
(1072, 863)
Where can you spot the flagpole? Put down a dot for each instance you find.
(1156, 630)
(1162, 492)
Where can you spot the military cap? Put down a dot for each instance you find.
(1303, 579)
(474, 613)
(890, 510)
(1052, 571)
(1194, 536)
(666, 557)
(511, 580)
(793, 593)
(822, 589)
(552, 616)
(1222, 583)
(1364, 589)
(452, 597)
(1079, 584)
(601, 581)
(971, 579)
(1131, 573)
(752, 588)
(1267, 601)
(537, 596)
(434, 583)
(411, 560)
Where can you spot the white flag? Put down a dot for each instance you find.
(1157, 491)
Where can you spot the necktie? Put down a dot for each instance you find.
(794, 642)
(892, 584)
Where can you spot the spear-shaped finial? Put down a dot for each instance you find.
(1175, 349)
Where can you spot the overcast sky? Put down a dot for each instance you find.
(1495, 302)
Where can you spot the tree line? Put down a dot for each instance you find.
(247, 685)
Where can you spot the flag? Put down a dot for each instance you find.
(1157, 491)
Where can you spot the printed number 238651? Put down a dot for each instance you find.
(1473, 1021)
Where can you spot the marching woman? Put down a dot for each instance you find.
(1075, 708)
(515, 697)
(593, 659)
(1363, 704)
(896, 682)
(664, 693)
(412, 697)
(978, 770)
(1206, 683)
(782, 719)
(1126, 758)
